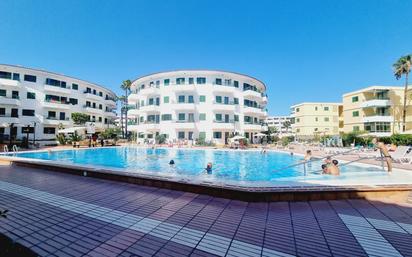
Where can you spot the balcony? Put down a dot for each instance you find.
(133, 98)
(93, 110)
(149, 108)
(56, 121)
(378, 118)
(133, 112)
(110, 102)
(224, 125)
(9, 82)
(253, 94)
(55, 89)
(184, 124)
(110, 113)
(184, 106)
(8, 119)
(9, 101)
(376, 103)
(56, 104)
(184, 88)
(91, 96)
(224, 89)
(248, 110)
(224, 107)
(249, 126)
(149, 91)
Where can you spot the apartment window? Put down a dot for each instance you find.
(151, 101)
(236, 117)
(62, 116)
(48, 130)
(228, 82)
(182, 116)
(355, 99)
(141, 119)
(202, 98)
(356, 128)
(27, 112)
(218, 81)
(326, 108)
(166, 99)
(27, 130)
(190, 99)
(297, 130)
(16, 76)
(166, 82)
(75, 86)
(297, 120)
(355, 114)
(236, 83)
(51, 114)
(218, 99)
(3, 92)
(217, 134)
(181, 99)
(5, 75)
(326, 119)
(14, 112)
(218, 117)
(100, 119)
(201, 80)
(316, 119)
(101, 94)
(297, 109)
(31, 95)
(316, 108)
(166, 116)
(191, 81)
(73, 101)
(30, 78)
(56, 83)
(180, 81)
(202, 116)
(181, 135)
(2, 111)
(15, 94)
(235, 100)
(100, 107)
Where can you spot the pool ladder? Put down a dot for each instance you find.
(14, 148)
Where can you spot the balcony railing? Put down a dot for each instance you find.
(225, 121)
(56, 101)
(55, 118)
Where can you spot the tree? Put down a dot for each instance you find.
(286, 124)
(403, 67)
(126, 87)
(79, 118)
(121, 99)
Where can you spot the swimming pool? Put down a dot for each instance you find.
(229, 166)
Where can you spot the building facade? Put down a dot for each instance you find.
(376, 110)
(38, 103)
(279, 123)
(316, 119)
(197, 104)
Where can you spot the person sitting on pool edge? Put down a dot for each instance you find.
(209, 168)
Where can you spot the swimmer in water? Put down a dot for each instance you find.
(209, 168)
(172, 163)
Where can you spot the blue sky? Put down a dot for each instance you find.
(302, 50)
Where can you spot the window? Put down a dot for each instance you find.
(181, 135)
(5, 75)
(166, 99)
(236, 117)
(316, 119)
(151, 101)
(100, 106)
(166, 116)
(218, 99)
(326, 119)
(191, 81)
(217, 134)
(235, 100)
(166, 82)
(62, 116)
(101, 94)
(326, 108)
(218, 117)
(100, 119)
(47, 130)
(236, 83)
(56, 83)
(14, 113)
(190, 99)
(31, 95)
(75, 86)
(355, 99)
(356, 128)
(218, 81)
(202, 116)
(30, 78)
(202, 98)
(297, 109)
(3, 92)
(355, 114)
(181, 99)
(25, 130)
(180, 81)
(51, 114)
(201, 80)
(73, 101)
(297, 120)
(16, 76)
(316, 108)
(15, 94)
(2, 111)
(27, 112)
(182, 116)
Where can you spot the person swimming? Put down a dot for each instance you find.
(172, 162)
(325, 169)
(334, 169)
(209, 168)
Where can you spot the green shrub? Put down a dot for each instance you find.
(160, 139)
(287, 140)
(401, 139)
(61, 139)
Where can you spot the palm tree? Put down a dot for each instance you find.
(121, 99)
(126, 87)
(403, 67)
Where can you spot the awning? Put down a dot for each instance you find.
(70, 130)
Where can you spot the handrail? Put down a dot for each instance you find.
(310, 161)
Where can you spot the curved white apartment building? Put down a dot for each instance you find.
(45, 100)
(193, 104)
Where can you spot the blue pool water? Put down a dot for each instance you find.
(240, 166)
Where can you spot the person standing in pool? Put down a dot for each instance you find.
(209, 168)
(384, 153)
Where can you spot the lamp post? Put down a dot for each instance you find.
(27, 132)
(34, 134)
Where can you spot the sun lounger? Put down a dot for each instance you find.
(400, 155)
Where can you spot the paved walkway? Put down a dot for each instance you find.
(63, 215)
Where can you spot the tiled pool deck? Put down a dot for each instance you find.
(58, 214)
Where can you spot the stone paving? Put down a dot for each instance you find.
(57, 214)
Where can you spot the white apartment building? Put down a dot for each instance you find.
(38, 103)
(197, 104)
(279, 122)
